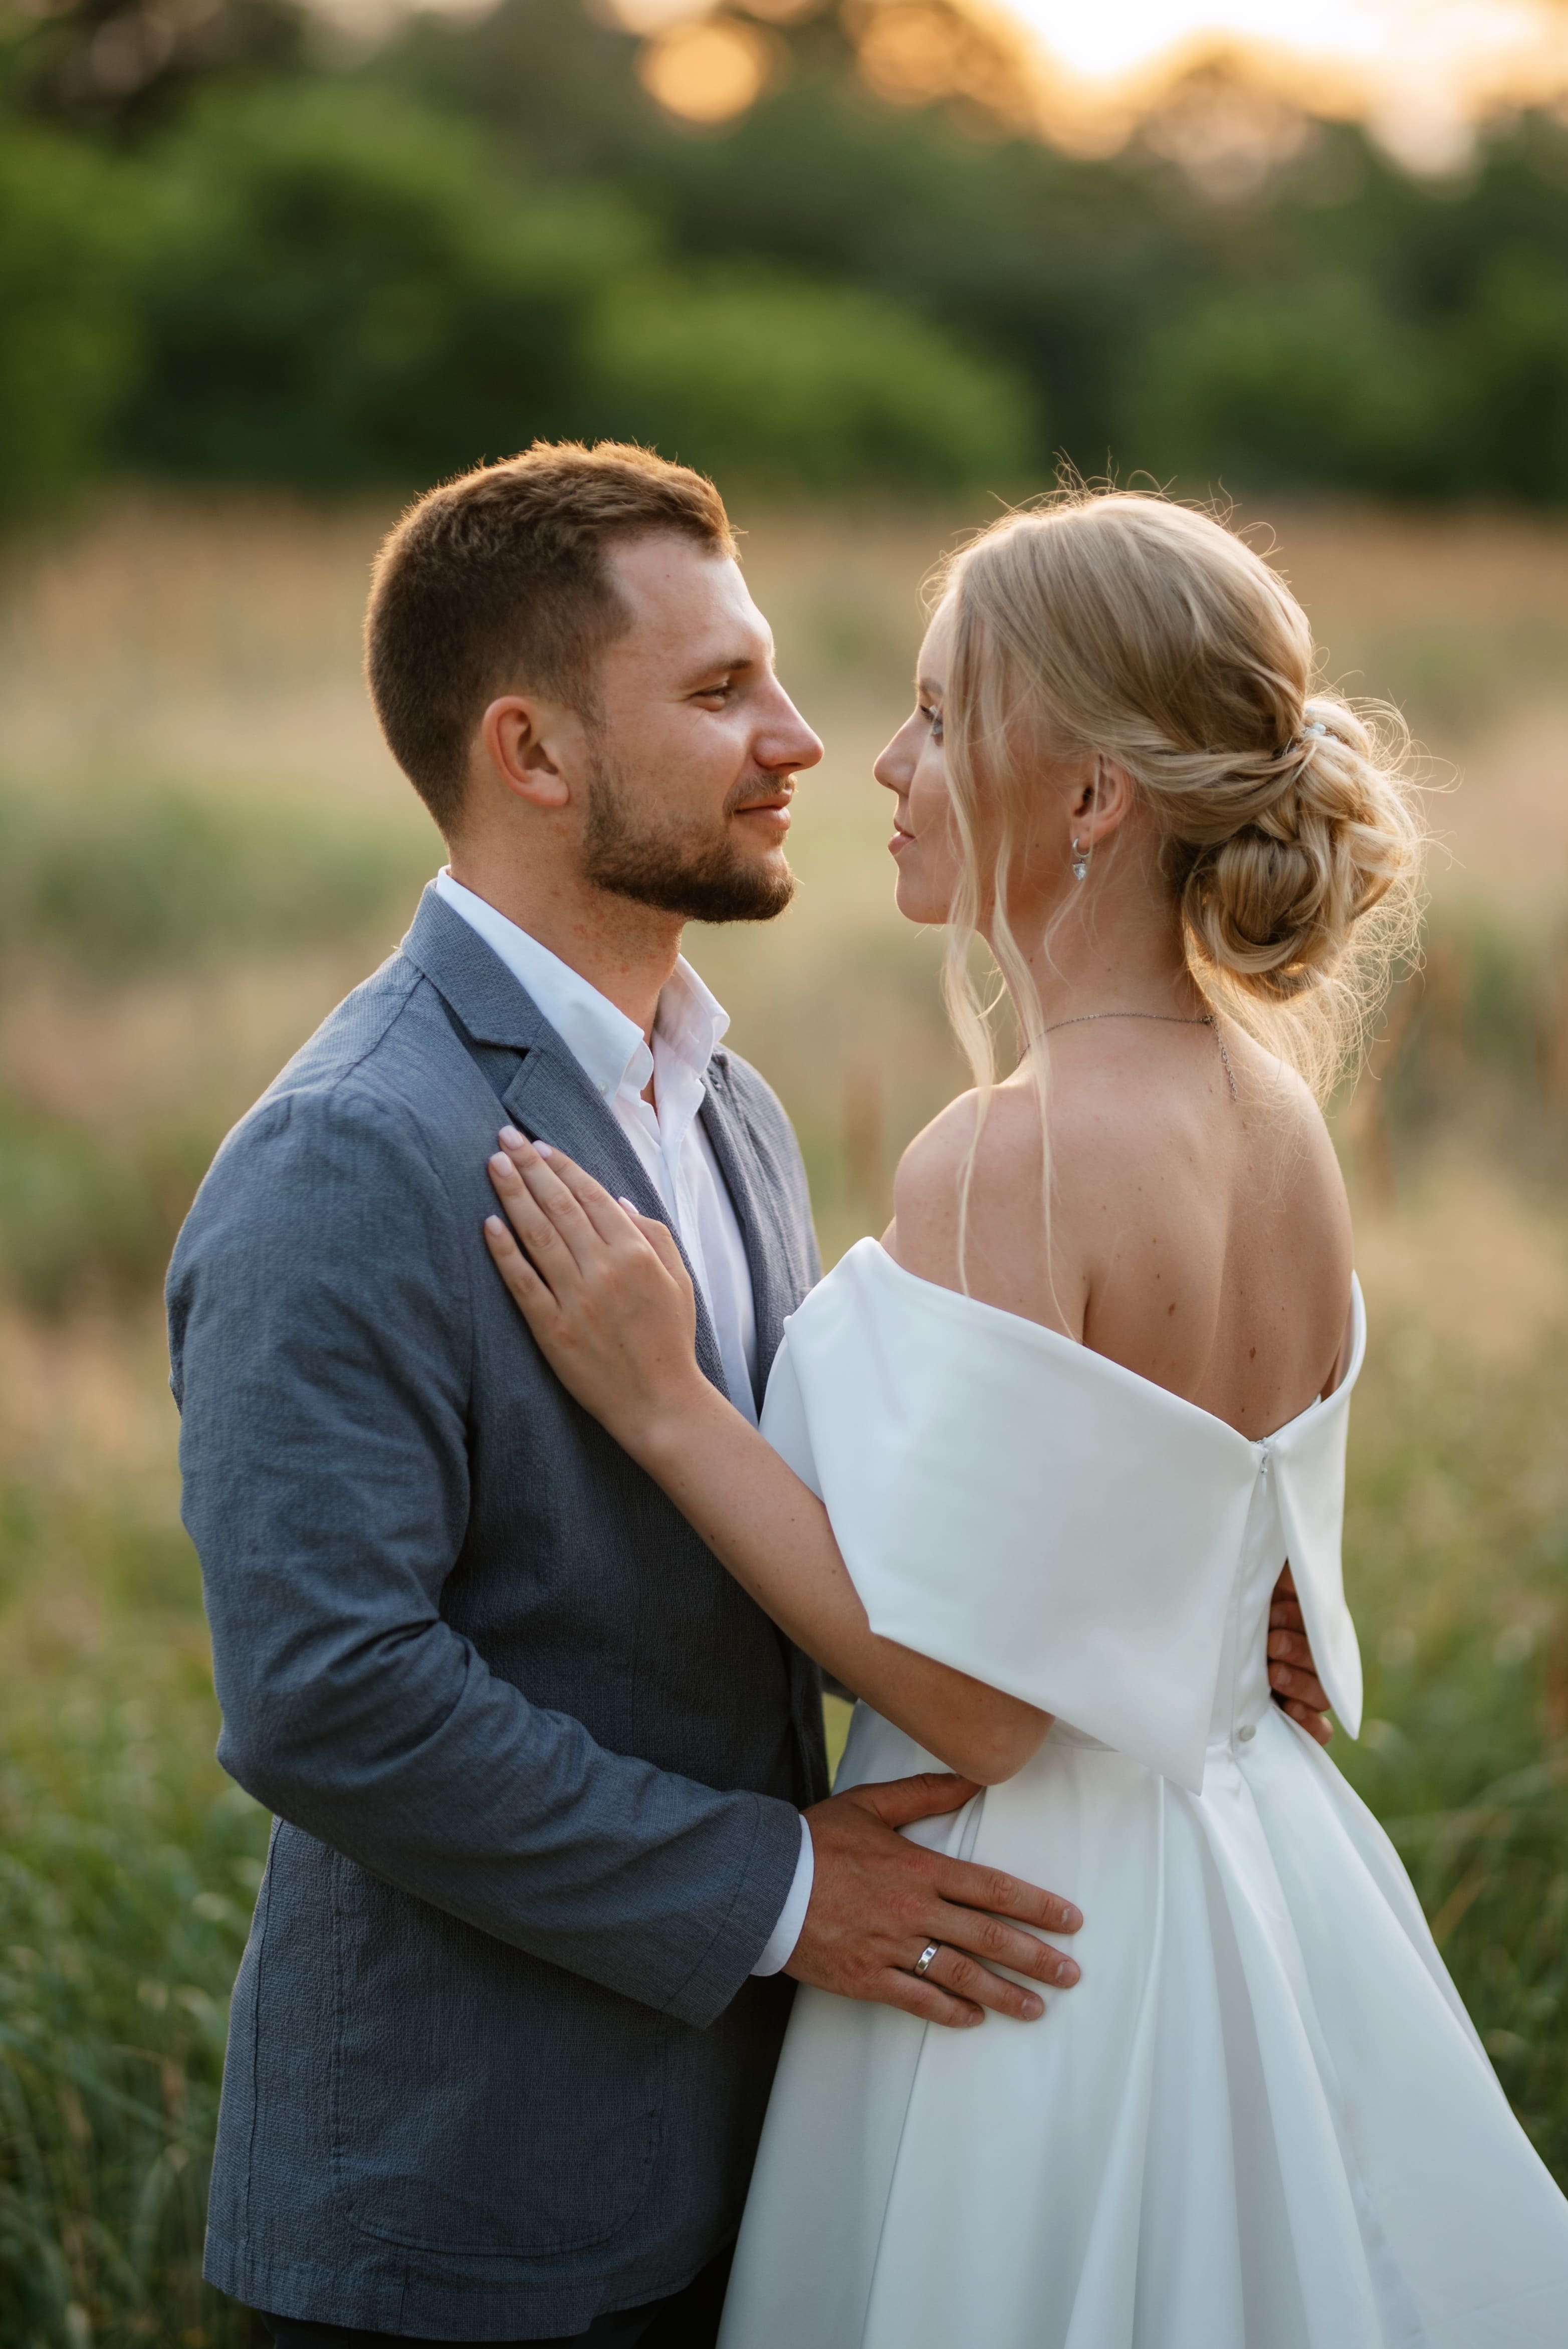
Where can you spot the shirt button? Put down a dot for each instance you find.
(1246, 1733)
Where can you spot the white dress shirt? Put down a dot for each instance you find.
(676, 1156)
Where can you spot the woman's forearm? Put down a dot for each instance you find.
(773, 1535)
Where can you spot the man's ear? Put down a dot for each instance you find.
(523, 741)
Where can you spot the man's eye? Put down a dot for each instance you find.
(721, 692)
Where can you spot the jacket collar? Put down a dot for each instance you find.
(551, 1096)
(492, 1005)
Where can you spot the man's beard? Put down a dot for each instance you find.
(702, 879)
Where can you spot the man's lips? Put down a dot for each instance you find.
(773, 812)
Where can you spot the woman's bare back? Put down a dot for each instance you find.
(1199, 1240)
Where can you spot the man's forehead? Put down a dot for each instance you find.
(679, 592)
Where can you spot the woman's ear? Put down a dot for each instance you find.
(1104, 801)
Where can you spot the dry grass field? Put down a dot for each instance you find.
(203, 844)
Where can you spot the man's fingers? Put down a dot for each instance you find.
(899, 1802)
(925, 1999)
(1298, 1688)
(996, 1894)
(953, 1970)
(994, 1942)
(1316, 1724)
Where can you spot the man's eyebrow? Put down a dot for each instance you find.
(725, 665)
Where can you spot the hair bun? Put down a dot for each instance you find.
(1274, 904)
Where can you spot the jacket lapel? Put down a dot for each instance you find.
(735, 1148)
(550, 1096)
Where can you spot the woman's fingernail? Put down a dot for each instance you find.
(544, 1149)
(629, 1205)
(493, 1224)
(512, 1139)
(500, 1164)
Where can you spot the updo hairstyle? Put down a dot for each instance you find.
(1129, 626)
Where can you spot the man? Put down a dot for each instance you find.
(552, 1830)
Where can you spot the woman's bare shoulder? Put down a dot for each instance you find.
(1004, 1259)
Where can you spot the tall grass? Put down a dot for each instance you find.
(128, 1869)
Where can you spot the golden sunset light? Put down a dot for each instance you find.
(1420, 71)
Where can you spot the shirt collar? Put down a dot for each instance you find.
(608, 1046)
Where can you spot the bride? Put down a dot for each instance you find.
(1056, 1434)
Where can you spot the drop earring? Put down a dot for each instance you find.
(1081, 859)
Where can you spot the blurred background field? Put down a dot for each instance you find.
(263, 274)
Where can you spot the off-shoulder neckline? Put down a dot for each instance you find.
(1055, 1341)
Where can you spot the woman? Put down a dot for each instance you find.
(1061, 1427)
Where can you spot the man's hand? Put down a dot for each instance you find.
(1293, 1673)
(878, 1900)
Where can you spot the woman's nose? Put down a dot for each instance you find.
(893, 766)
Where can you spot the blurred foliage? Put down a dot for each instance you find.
(784, 384)
(150, 883)
(127, 1871)
(69, 348)
(1458, 1583)
(160, 879)
(244, 249)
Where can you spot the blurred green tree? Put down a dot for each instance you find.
(1318, 384)
(124, 66)
(339, 288)
(68, 348)
(781, 383)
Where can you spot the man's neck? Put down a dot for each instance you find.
(626, 950)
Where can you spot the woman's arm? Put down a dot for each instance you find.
(607, 1298)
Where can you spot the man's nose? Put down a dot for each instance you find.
(787, 743)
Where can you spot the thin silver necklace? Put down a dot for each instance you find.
(1169, 1019)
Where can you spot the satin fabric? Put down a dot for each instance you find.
(1262, 2119)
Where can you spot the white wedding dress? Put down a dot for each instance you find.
(1262, 2119)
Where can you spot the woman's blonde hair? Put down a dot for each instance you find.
(1144, 631)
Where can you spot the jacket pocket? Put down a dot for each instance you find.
(482, 2103)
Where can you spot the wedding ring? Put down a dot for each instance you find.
(923, 1963)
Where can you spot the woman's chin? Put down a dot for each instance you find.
(918, 904)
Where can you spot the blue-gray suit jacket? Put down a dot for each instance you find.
(497, 2062)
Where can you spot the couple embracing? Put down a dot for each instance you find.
(536, 1477)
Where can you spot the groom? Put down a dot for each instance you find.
(549, 1790)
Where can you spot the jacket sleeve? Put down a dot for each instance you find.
(321, 1333)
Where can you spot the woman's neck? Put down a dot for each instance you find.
(1119, 949)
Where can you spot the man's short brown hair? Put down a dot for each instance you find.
(498, 580)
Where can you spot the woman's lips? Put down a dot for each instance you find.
(901, 840)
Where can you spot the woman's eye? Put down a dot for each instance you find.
(933, 720)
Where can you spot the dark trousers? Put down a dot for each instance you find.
(688, 2320)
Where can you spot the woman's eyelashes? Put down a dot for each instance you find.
(932, 718)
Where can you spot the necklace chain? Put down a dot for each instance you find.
(1169, 1019)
